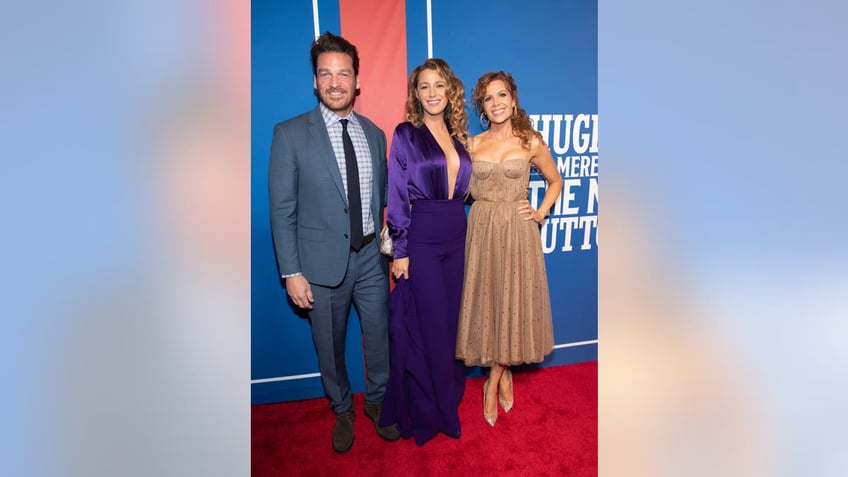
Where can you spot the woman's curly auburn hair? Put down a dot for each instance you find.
(455, 115)
(521, 125)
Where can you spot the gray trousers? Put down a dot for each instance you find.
(366, 286)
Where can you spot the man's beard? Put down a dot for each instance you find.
(340, 104)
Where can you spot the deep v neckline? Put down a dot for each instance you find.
(451, 191)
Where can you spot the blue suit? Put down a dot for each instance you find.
(311, 230)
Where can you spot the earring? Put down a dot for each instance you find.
(485, 125)
(514, 110)
(418, 108)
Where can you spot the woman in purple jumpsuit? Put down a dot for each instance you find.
(429, 172)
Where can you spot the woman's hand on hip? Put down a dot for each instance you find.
(528, 213)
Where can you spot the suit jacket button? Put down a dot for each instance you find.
(345, 210)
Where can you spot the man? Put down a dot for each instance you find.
(327, 186)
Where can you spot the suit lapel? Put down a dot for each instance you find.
(374, 147)
(324, 150)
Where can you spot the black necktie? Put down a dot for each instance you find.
(354, 199)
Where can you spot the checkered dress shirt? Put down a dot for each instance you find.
(363, 159)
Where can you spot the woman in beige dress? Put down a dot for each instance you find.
(505, 316)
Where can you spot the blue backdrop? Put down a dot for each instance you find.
(550, 47)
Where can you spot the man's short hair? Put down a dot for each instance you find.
(329, 43)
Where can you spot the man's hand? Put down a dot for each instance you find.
(300, 291)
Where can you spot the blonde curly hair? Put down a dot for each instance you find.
(521, 124)
(455, 114)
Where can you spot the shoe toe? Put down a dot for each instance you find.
(388, 433)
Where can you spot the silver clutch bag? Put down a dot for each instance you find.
(386, 246)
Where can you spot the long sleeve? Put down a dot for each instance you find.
(398, 213)
(282, 192)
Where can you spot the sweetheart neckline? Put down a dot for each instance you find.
(497, 163)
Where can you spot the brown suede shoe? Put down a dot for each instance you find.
(343, 431)
(373, 412)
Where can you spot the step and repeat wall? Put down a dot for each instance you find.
(550, 47)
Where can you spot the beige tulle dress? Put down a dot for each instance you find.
(505, 316)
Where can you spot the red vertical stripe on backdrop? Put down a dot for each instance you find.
(378, 29)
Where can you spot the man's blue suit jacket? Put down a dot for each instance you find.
(309, 219)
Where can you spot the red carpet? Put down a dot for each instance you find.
(551, 431)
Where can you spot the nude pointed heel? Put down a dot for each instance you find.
(490, 418)
(507, 405)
